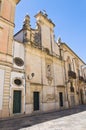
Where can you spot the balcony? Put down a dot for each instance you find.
(72, 74)
(81, 79)
(84, 80)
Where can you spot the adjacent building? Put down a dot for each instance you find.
(37, 73)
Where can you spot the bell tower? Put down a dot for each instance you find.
(7, 15)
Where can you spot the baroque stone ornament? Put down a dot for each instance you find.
(50, 97)
(37, 38)
(49, 73)
(26, 24)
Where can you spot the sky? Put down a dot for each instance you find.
(69, 17)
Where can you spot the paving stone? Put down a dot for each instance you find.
(70, 119)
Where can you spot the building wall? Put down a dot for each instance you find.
(50, 68)
(5, 80)
(34, 68)
(7, 11)
(44, 82)
(1, 88)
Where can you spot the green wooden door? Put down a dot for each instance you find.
(36, 100)
(17, 101)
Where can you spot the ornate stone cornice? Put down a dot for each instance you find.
(17, 1)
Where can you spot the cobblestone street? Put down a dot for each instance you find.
(69, 119)
(72, 122)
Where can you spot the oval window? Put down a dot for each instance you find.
(18, 61)
(18, 82)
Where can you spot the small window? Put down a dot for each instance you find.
(18, 82)
(18, 61)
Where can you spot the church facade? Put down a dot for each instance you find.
(37, 73)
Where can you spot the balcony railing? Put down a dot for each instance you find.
(81, 79)
(84, 80)
(72, 74)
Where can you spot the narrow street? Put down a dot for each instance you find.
(69, 119)
(72, 122)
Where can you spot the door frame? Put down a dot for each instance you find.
(37, 101)
(17, 93)
(61, 98)
(22, 89)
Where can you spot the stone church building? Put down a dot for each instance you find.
(37, 73)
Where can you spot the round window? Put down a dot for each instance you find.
(18, 61)
(18, 82)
